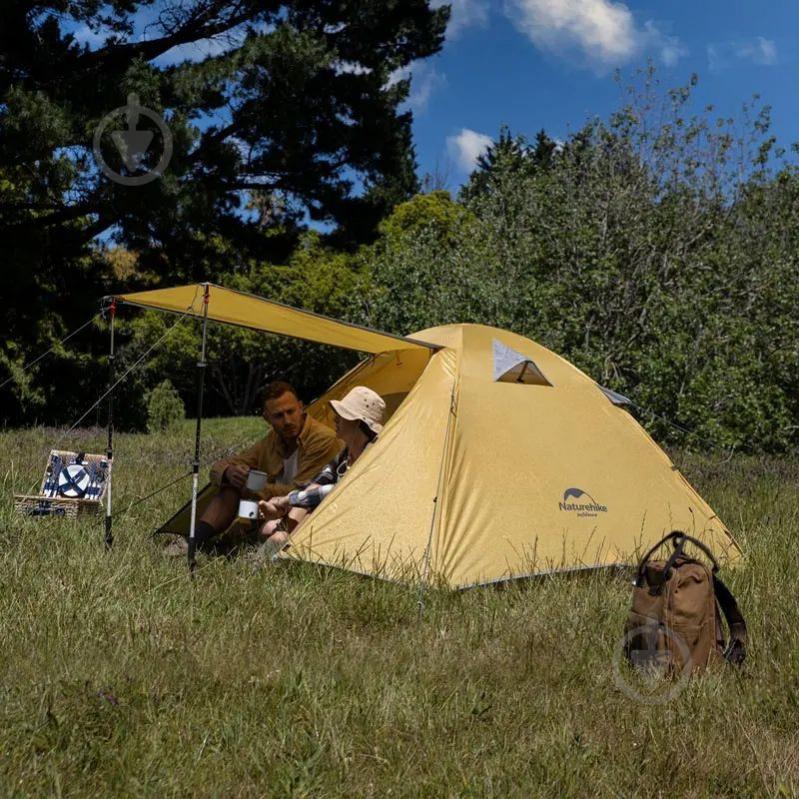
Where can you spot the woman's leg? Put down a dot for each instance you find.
(295, 518)
(277, 532)
(269, 528)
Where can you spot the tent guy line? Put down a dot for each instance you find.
(30, 364)
(119, 381)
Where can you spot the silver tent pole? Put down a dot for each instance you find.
(109, 535)
(195, 480)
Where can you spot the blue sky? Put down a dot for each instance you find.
(533, 64)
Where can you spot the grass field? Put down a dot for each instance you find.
(122, 677)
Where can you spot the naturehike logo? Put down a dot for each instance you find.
(591, 508)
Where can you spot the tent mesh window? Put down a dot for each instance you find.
(513, 367)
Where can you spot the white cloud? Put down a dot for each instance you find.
(669, 48)
(765, 52)
(464, 14)
(425, 81)
(85, 35)
(759, 50)
(604, 33)
(467, 146)
(715, 61)
(351, 67)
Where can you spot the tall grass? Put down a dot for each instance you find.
(122, 677)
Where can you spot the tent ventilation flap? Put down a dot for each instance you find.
(513, 367)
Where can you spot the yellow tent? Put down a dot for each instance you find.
(499, 458)
(502, 460)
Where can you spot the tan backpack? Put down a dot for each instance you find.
(674, 624)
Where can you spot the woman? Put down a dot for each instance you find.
(359, 419)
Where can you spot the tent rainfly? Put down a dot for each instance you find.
(499, 458)
(246, 310)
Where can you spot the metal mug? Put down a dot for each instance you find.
(248, 509)
(256, 480)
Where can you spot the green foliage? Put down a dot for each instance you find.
(657, 251)
(635, 251)
(300, 99)
(423, 265)
(509, 156)
(164, 407)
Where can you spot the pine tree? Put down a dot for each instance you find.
(291, 101)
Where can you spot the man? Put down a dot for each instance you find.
(359, 420)
(294, 451)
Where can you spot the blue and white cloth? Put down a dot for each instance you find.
(322, 484)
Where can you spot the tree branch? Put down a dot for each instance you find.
(65, 214)
(196, 28)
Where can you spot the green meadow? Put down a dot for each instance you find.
(121, 676)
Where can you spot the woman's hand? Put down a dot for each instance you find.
(275, 508)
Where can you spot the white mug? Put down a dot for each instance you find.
(248, 510)
(256, 480)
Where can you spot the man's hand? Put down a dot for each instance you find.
(236, 475)
(275, 508)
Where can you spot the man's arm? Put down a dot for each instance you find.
(249, 459)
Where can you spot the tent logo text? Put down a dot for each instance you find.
(581, 508)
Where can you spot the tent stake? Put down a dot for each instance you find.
(109, 452)
(195, 478)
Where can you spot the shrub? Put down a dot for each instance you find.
(164, 407)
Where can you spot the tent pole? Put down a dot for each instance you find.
(109, 452)
(195, 479)
(424, 582)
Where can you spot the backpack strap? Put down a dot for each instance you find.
(699, 545)
(679, 538)
(735, 651)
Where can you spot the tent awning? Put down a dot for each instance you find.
(246, 310)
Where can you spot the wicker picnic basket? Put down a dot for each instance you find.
(64, 494)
